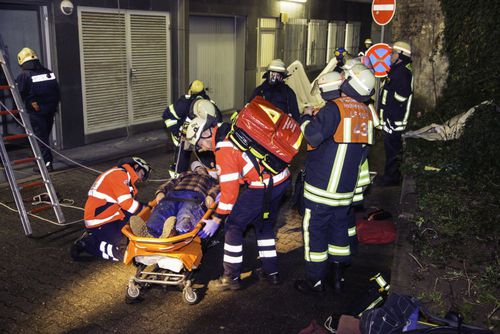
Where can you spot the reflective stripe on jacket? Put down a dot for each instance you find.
(111, 194)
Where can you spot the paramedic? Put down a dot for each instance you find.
(368, 44)
(109, 206)
(39, 91)
(174, 117)
(394, 109)
(339, 132)
(180, 203)
(241, 208)
(275, 90)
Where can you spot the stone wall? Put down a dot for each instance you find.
(421, 23)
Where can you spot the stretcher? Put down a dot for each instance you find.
(165, 262)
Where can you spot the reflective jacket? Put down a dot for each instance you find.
(280, 95)
(111, 195)
(176, 113)
(235, 168)
(38, 88)
(395, 97)
(333, 168)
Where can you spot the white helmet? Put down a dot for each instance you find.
(277, 65)
(351, 62)
(193, 128)
(328, 85)
(202, 108)
(361, 79)
(368, 41)
(403, 48)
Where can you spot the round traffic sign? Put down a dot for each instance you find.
(383, 11)
(380, 57)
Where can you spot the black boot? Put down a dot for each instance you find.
(338, 277)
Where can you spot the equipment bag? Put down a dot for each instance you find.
(267, 133)
(375, 231)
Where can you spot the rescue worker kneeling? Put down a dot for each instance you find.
(337, 134)
(110, 205)
(240, 208)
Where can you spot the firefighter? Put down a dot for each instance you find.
(368, 43)
(341, 55)
(39, 91)
(174, 117)
(394, 109)
(275, 90)
(110, 205)
(339, 132)
(256, 205)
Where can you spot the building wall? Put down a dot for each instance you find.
(421, 23)
(67, 53)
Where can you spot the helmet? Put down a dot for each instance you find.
(340, 53)
(202, 108)
(277, 65)
(403, 48)
(350, 63)
(141, 164)
(25, 55)
(193, 128)
(195, 87)
(368, 41)
(329, 85)
(360, 79)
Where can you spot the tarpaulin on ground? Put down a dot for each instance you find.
(451, 129)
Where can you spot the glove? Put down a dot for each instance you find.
(210, 228)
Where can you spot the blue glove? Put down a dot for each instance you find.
(210, 228)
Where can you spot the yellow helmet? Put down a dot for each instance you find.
(402, 47)
(25, 55)
(196, 87)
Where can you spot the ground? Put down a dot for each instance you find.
(44, 291)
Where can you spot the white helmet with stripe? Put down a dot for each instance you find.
(402, 47)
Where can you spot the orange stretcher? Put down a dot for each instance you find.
(163, 261)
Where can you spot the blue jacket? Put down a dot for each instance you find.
(395, 97)
(332, 169)
(38, 84)
(280, 95)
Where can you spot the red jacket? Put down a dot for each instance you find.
(112, 193)
(235, 168)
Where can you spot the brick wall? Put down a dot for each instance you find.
(421, 23)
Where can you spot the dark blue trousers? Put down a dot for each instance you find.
(325, 237)
(393, 147)
(105, 241)
(42, 126)
(248, 211)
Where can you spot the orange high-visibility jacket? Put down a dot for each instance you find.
(111, 194)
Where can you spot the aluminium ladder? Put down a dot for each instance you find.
(37, 157)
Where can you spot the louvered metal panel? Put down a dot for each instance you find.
(295, 40)
(352, 37)
(316, 43)
(336, 38)
(269, 23)
(212, 57)
(104, 70)
(149, 73)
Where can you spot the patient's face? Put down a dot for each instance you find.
(201, 170)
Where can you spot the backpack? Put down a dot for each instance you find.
(267, 133)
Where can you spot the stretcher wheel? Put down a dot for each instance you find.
(133, 294)
(190, 295)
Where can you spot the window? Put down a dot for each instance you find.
(295, 41)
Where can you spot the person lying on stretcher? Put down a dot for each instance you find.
(181, 204)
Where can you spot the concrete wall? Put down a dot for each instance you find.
(421, 22)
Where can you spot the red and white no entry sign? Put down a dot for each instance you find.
(383, 11)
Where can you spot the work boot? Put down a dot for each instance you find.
(168, 227)
(308, 287)
(138, 227)
(338, 277)
(273, 279)
(224, 283)
(78, 248)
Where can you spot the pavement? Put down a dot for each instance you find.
(44, 291)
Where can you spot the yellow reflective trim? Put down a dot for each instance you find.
(400, 98)
(352, 231)
(303, 126)
(339, 250)
(327, 194)
(170, 122)
(318, 257)
(172, 111)
(338, 164)
(305, 227)
(298, 142)
(347, 130)
(329, 202)
(174, 139)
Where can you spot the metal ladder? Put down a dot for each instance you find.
(37, 157)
